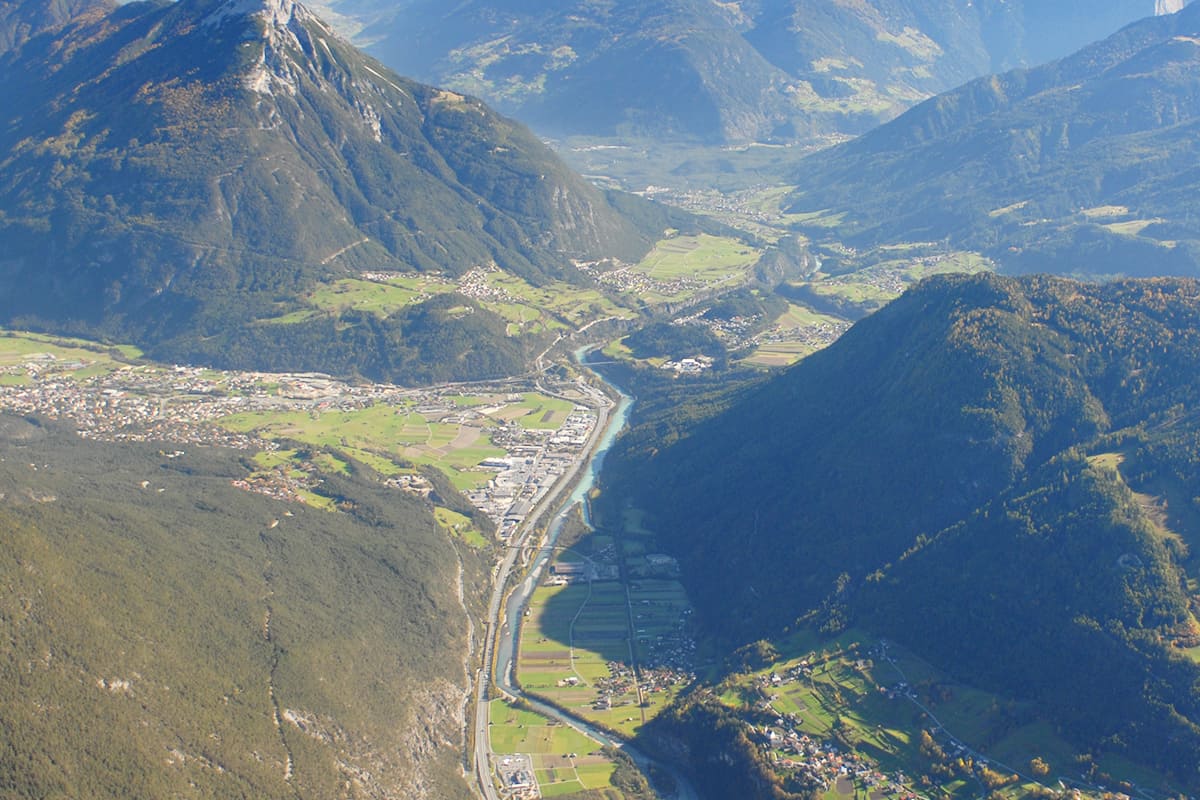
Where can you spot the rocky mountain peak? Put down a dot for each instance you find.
(277, 14)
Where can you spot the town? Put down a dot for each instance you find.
(181, 405)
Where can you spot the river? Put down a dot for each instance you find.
(509, 637)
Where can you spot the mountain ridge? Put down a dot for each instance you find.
(1081, 165)
(265, 154)
(761, 70)
(942, 476)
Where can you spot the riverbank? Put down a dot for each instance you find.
(504, 631)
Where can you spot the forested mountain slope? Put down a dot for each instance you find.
(173, 172)
(997, 472)
(168, 634)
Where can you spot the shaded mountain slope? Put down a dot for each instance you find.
(958, 473)
(20, 20)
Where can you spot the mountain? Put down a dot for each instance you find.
(998, 473)
(752, 70)
(1083, 165)
(173, 172)
(169, 635)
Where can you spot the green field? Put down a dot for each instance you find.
(796, 333)
(391, 437)
(556, 306)
(78, 358)
(382, 430)
(577, 643)
(460, 525)
(564, 760)
(541, 412)
(381, 298)
(528, 309)
(710, 259)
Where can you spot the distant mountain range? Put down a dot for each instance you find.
(173, 172)
(1086, 165)
(719, 72)
(999, 473)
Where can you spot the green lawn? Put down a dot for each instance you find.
(459, 525)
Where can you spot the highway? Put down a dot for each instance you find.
(502, 630)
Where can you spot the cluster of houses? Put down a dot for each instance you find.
(629, 279)
(817, 336)
(133, 403)
(824, 764)
(692, 365)
(474, 284)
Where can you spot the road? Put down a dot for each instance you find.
(502, 631)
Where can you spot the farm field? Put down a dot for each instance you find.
(453, 435)
(378, 297)
(577, 646)
(564, 761)
(684, 265)
(528, 309)
(798, 332)
(387, 437)
(78, 358)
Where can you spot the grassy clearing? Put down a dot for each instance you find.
(817, 219)
(1133, 227)
(859, 292)
(999, 212)
(1105, 212)
(461, 526)
(803, 317)
(529, 310)
(381, 298)
(543, 413)
(556, 306)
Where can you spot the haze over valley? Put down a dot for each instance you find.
(782, 399)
